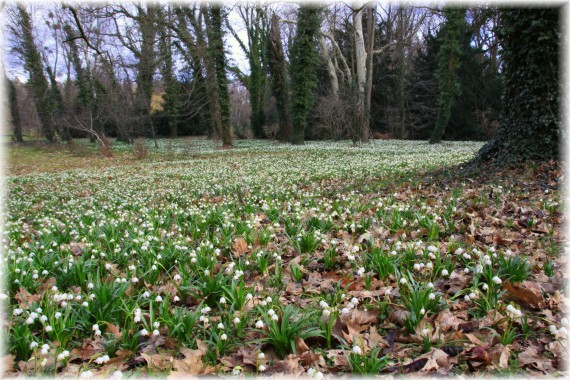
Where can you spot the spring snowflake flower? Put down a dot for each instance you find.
(177, 277)
(497, 280)
(274, 317)
(224, 337)
(431, 296)
(63, 355)
(403, 281)
(361, 271)
(156, 333)
(564, 321)
(262, 368)
(176, 299)
(221, 326)
(444, 272)
(144, 332)
(33, 345)
(259, 324)
(86, 374)
(223, 300)
(357, 350)
(102, 359)
(158, 299)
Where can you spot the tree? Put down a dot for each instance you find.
(22, 28)
(279, 84)
(217, 53)
(304, 61)
(449, 59)
(14, 111)
(530, 125)
(255, 21)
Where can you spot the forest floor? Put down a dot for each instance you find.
(325, 259)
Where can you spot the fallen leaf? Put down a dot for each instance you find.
(528, 293)
(500, 354)
(533, 358)
(26, 299)
(479, 354)
(300, 346)
(239, 246)
(192, 363)
(158, 361)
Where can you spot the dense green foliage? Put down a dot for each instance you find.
(530, 127)
(278, 80)
(304, 60)
(449, 60)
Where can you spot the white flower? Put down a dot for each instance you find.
(274, 317)
(553, 329)
(444, 272)
(177, 277)
(43, 318)
(319, 376)
(467, 298)
(86, 374)
(57, 315)
(326, 313)
(156, 324)
(90, 285)
(117, 375)
(33, 345)
(97, 332)
(29, 321)
(357, 350)
(17, 311)
(485, 287)
(431, 296)
(564, 321)
(221, 326)
(108, 266)
(354, 300)
(102, 359)
(259, 324)
(271, 312)
(361, 271)
(497, 280)
(311, 372)
(176, 299)
(144, 332)
(403, 281)
(345, 310)
(422, 311)
(223, 300)
(425, 332)
(261, 356)
(268, 299)
(387, 292)
(249, 296)
(236, 321)
(158, 299)
(95, 327)
(156, 333)
(48, 328)
(261, 368)
(224, 337)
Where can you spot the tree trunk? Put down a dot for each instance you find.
(331, 69)
(360, 56)
(279, 85)
(14, 112)
(530, 127)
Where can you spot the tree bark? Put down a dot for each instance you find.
(360, 57)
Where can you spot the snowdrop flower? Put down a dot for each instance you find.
(350, 305)
(249, 296)
(177, 277)
(275, 317)
(326, 313)
(485, 287)
(262, 368)
(259, 324)
(422, 311)
(156, 324)
(472, 295)
(17, 311)
(431, 296)
(263, 303)
(387, 292)
(63, 355)
(176, 299)
(29, 321)
(425, 332)
(261, 356)
(221, 326)
(345, 310)
(357, 350)
(33, 345)
(497, 280)
(237, 321)
(403, 281)
(311, 372)
(95, 327)
(57, 315)
(144, 332)
(323, 304)
(319, 376)
(271, 312)
(417, 266)
(223, 300)
(354, 300)
(158, 299)
(467, 298)
(562, 332)
(117, 375)
(146, 294)
(444, 272)
(108, 266)
(224, 337)
(90, 285)
(43, 318)
(102, 359)
(268, 299)
(156, 333)
(97, 332)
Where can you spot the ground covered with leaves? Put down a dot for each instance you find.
(267, 259)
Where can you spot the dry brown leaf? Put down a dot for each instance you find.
(500, 355)
(239, 246)
(294, 288)
(533, 358)
(375, 340)
(436, 361)
(289, 366)
(447, 321)
(8, 369)
(300, 346)
(26, 299)
(158, 362)
(192, 363)
(528, 292)
(114, 329)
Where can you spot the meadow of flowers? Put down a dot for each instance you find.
(312, 260)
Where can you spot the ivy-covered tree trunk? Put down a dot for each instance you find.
(216, 46)
(449, 60)
(171, 90)
(15, 115)
(37, 80)
(279, 85)
(304, 59)
(530, 125)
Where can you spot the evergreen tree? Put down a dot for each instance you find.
(530, 126)
(449, 61)
(219, 59)
(279, 85)
(33, 65)
(304, 61)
